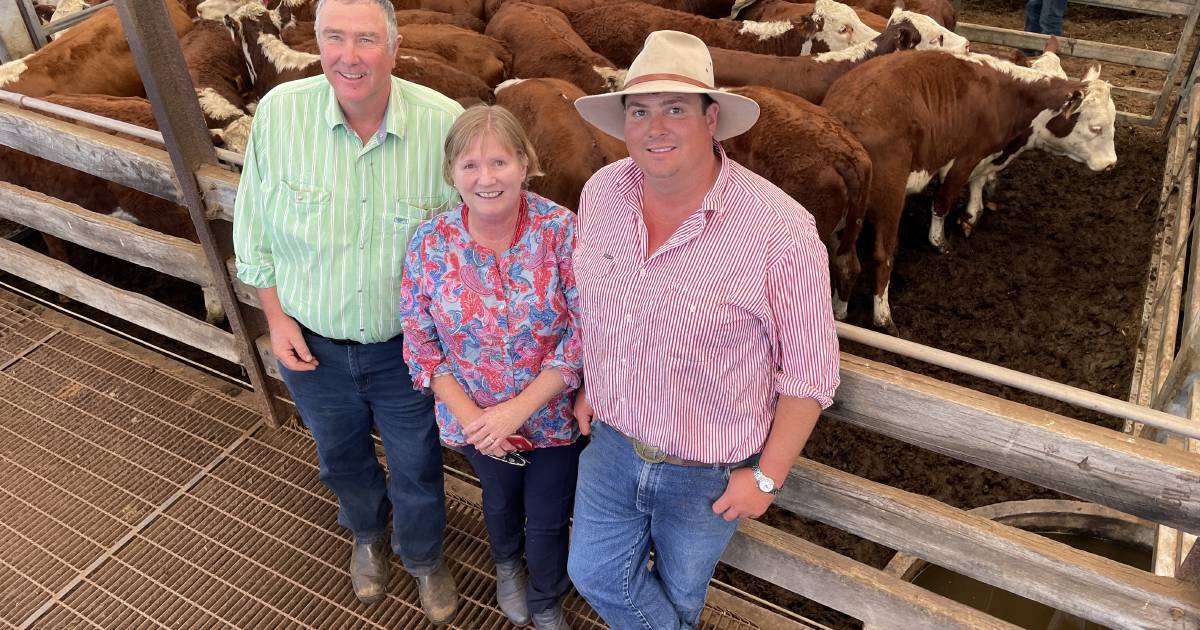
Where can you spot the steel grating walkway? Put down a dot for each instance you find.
(138, 493)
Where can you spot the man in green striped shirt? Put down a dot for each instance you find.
(340, 170)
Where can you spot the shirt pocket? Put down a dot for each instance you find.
(305, 206)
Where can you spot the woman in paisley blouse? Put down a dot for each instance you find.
(490, 324)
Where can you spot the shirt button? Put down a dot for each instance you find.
(643, 273)
(364, 200)
(628, 317)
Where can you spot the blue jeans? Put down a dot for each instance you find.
(1045, 16)
(527, 511)
(623, 505)
(353, 388)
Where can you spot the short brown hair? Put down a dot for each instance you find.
(497, 120)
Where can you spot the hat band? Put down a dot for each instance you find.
(666, 76)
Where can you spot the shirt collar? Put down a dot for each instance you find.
(394, 117)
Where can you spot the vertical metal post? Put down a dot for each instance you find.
(160, 62)
(33, 23)
(15, 38)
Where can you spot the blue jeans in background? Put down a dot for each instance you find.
(1045, 16)
(353, 388)
(527, 510)
(623, 505)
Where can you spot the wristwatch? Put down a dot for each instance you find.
(765, 483)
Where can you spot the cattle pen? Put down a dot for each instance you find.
(136, 492)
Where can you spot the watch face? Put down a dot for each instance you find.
(764, 482)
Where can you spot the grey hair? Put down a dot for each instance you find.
(389, 16)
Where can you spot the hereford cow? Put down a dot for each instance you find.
(923, 114)
(940, 10)
(544, 45)
(704, 8)
(617, 32)
(219, 78)
(778, 10)
(467, 50)
(92, 58)
(569, 149)
(986, 176)
(805, 151)
(810, 77)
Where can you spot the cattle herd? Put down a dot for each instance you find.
(861, 105)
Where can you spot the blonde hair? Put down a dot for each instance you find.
(494, 119)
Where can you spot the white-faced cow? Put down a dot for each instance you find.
(811, 76)
(921, 114)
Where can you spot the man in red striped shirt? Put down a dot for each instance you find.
(708, 340)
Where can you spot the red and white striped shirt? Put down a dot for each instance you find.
(688, 350)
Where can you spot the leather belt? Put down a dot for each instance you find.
(653, 455)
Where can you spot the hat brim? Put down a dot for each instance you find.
(738, 113)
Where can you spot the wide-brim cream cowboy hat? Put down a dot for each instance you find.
(675, 62)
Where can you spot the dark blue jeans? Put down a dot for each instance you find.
(623, 506)
(353, 388)
(1045, 16)
(526, 509)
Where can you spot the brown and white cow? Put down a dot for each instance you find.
(705, 8)
(617, 32)
(811, 156)
(985, 177)
(940, 10)
(775, 10)
(93, 57)
(544, 45)
(809, 76)
(924, 114)
(569, 149)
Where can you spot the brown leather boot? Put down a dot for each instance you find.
(439, 595)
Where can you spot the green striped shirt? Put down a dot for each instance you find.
(325, 218)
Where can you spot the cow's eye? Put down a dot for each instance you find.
(937, 41)
(845, 29)
(1096, 129)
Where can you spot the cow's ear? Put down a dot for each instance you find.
(1018, 57)
(1093, 73)
(1073, 102)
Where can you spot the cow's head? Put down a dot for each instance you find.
(933, 35)
(218, 9)
(900, 35)
(839, 26)
(1082, 128)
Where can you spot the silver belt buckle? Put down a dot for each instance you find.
(648, 453)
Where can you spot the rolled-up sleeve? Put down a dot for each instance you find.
(251, 238)
(422, 348)
(804, 340)
(568, 354)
